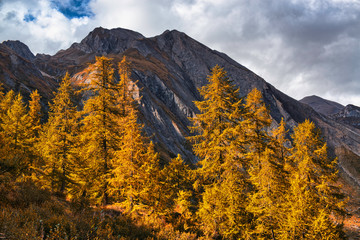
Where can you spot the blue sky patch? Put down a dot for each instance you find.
(73, 8)
(29, 17)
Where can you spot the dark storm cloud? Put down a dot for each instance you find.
(322, 43)
(302, 47)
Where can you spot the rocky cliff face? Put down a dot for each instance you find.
(103, 41)
(21, 49)
(169, 69)
(18, 71)
(349, 115)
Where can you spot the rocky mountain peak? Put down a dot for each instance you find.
(169, 38)
(104, 41)
(20, 49)
(323, 106)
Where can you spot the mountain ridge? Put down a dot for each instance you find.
(321, 105)
(348, 115)
(168, 70)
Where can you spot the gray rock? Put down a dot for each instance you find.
(20, 49)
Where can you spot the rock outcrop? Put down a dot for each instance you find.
(349, 115)
(19, 72)
(20, 49)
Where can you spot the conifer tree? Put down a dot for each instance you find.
(176, 176)
(312, 196)
(267, 200)
(135, 167)
(6, 103)
(258, 121)
(219, 147)
(35, 111)
(15, 124)
(59, 137)
(131, 155)
(100, 133)
(34, 129)
(218, 125)
(126, 88)
(176, 193)
(1, 92)
(280, 144)
(267, 175)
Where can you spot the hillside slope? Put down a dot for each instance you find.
(169, 68)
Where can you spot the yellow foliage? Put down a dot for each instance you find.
(59, 137)
(312, 195)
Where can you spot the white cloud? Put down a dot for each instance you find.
(47, 33)
(147, 17)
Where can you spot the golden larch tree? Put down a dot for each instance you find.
(59, 137)
(219, 147)
(100, 129)
(35, 126)
(135, 166)
(313, 195)
(15, 124)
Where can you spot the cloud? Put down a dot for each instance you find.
(147, 17)
(39, 25)
(302, 47)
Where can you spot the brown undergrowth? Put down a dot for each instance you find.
(28, 212)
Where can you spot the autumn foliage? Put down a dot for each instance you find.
(90, 172)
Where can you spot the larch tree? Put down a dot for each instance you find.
(219, 147)
(5, 104)
(174, 200)
(2, 95)
(217, 126)
(258, 121)
(266, 172)
(35, 115)
(126, 88)
(135, 166)
(59, 137)
(126, 181)
(15, 124)
(280, 144)
(100, 129)
(270, 182)
(313, 195)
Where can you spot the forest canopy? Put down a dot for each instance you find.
(90, 171)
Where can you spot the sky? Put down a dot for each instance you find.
(302, 47)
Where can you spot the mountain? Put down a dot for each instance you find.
(21, 49)
(169, 68)
(19, 72)
(323, 106)
(349, 115)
